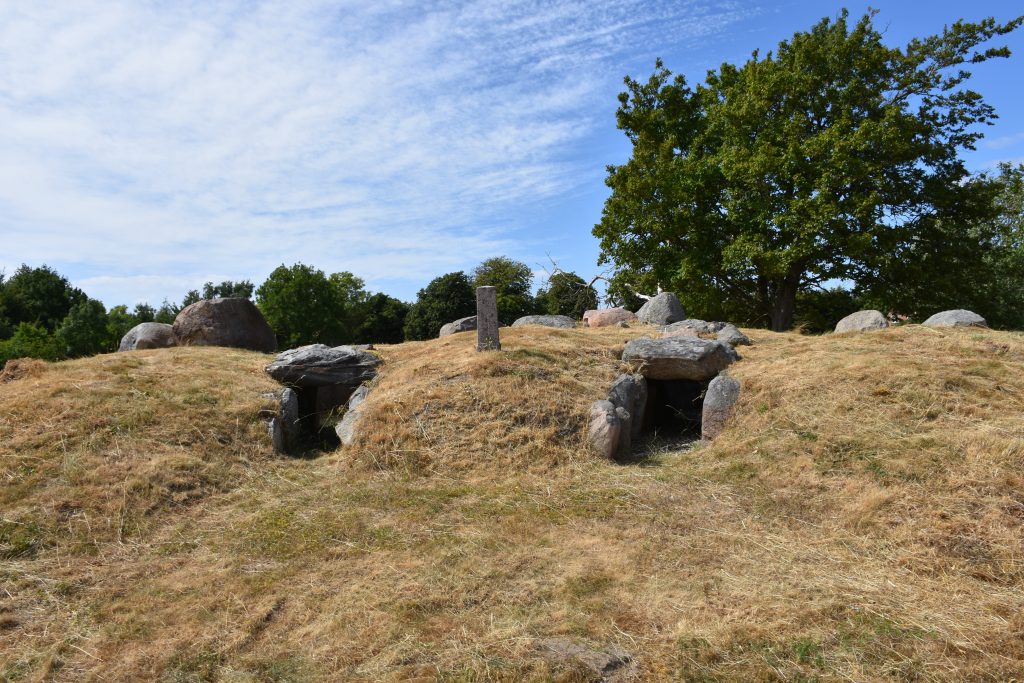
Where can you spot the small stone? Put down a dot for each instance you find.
(606, 317)
(721, 395)
(460, 325)
(610, 665)
(731, 335)
(862, 321)
(605, 429)
(560, 321)
(956, 318)
(662, 309)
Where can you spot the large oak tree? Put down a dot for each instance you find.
(809, 165)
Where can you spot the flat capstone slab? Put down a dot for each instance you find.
(319, 365)
(679, 358)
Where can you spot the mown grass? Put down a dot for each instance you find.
(861, 519)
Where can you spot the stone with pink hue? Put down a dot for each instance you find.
(606, 317)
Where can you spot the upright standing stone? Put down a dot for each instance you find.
(487, 319)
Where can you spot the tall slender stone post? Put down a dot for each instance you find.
(487, 319)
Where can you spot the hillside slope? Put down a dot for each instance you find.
(861, 518)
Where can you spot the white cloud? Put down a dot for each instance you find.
(151, 143)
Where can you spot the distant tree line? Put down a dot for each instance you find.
(43, 316)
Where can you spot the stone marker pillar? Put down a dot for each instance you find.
(487, 319)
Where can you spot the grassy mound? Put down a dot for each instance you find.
(861, 518)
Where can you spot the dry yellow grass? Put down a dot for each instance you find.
(861, 519)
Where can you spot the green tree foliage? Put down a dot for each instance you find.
(383, 320)
(305, 306)
(818, 310)
(443, 300)
(567, 294)
(983, 257)
(191, 297)
(119, 321)
(809, 165)
(39, 296)
(228, 290)
(143, 313)
(167, 312)
(84, 331)
(30, 340)
(513, 281)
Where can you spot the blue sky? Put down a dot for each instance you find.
(149, 147)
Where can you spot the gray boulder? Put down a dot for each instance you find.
(460, 325)
(605, 429)
(956, 318)
(224, 322)
(661, 310)
(692, 327)
(284, 426)
(629, 392)
(720, 397)
(731, 335)
(346, 429)
(862, 321)
(560, 321)
(318, 365)
(148, 336)
(679, 358)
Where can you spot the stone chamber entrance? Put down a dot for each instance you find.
(673, 411)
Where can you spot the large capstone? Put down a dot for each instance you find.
(224, 322)
(956, 318)
(562, 321)
(662, 309)
(148, 336)
(319, 365)
(679, 358)
(862, 321)
(460, 325)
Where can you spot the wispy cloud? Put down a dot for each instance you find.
(1004, 141)
(156, 145)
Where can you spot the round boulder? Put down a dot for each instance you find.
(862, 321)
(460, 325)
(560, 321)
(956, 318)
(663, 309)
(224, 322)
(606, 317)
(148, 336)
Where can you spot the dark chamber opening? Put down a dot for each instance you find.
(316, 431)
(674, 408)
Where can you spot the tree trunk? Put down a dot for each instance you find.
(783, 304)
